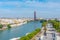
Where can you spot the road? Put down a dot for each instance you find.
(50, 33)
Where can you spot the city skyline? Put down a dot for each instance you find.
(26, 8)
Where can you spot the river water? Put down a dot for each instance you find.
(19, 31)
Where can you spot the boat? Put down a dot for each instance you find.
(27, 33)
(15, 38)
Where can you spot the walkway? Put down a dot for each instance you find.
(51, 34)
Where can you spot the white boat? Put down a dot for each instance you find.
(27, 33)
(15, 38)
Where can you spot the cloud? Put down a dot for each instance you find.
(28, 6)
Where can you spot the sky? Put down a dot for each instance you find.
(26, 8)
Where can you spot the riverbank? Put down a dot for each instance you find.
(14, 25)
(28, 36)
(11, 22)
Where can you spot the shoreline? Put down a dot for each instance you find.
(15, 25)
(18, 24)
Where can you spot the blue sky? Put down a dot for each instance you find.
(26, 8)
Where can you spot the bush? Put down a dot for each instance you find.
(8, 26)
(31, 35)
(56, 24)
(38, 29)
(44, 24)
(58, 30)
(24, 38)
(1, 25)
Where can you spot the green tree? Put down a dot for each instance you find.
(56, 24)
(8, 26)
(30, 35)
(44, 24)
(1, 25)
(24, 38)
(58, 30)
(38, 29)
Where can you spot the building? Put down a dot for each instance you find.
(35, 15)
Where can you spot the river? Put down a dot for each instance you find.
(19, 31)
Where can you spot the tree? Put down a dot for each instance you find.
(44, 25)
(8, 26)
(30, 35)
(38, 29)
(58, 30)
(56, 24)
(1, 25)
(24, 38)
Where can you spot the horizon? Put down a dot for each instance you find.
(26, 8)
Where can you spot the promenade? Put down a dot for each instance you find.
(50, 34)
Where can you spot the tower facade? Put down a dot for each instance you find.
(34, 15)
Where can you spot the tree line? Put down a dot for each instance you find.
(56, 24)
(8, 26)
(30, 35)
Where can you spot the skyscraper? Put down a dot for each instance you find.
(35, 15)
